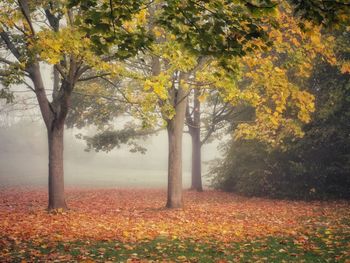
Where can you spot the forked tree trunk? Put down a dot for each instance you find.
(56, 171)
(55, 131)
(175, 132)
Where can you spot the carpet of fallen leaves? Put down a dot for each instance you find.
(135, 215)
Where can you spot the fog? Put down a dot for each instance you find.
(24, 152)
(24, 161)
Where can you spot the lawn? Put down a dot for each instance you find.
(119, 225)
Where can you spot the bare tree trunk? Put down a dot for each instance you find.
(195, 132)
(175, 132)
(175, 199)
(56, 171)
(196, 161)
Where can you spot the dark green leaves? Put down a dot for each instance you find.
(108, 140)
(214, 27)
(322, 11)
(104, 23)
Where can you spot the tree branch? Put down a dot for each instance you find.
(60, 70)
(5, 37)
(116, 86)
(53, 20)
(23, 4)
(28, 86)
(94, 77)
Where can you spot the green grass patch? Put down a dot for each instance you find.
(323, 247)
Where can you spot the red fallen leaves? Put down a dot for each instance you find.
(134, 215)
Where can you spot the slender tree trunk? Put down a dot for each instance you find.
(195, 133)
(175, 132)
(56, 171)
(196, 161)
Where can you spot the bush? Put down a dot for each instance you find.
(316, 166)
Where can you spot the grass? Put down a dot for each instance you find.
(318, 248)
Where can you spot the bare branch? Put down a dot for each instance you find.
(28, 86)
(60, 70)
(82, 70)
(94, 77)
(118, 88)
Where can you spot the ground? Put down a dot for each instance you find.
(118, 225)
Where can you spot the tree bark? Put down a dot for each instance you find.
(196, 183)
(175, 132)
(56, 170)
(195, 132)
(55, 131)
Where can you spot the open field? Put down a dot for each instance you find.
(118, 225)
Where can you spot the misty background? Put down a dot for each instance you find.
(24, 159)
(24, 151)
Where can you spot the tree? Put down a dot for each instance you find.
(208, 117)
(166, 87)
(193, 118)
(294, 42)
(192, 53)
(313, 167)
(215, 74)
(34, 33)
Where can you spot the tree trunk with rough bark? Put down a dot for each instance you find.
(54, 118)
(54, 115)
(56, 170)
(55, 132)
(175, 132)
